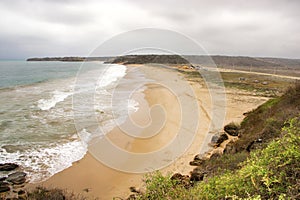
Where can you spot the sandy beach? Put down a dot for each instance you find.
(93, 179)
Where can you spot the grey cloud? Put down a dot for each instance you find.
(255, 28)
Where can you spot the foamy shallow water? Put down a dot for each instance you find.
(37, 129)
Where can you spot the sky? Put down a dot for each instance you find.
(38, 28)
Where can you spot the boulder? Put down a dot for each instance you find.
(132, 197)
(17, 178)
(134, 190)
(183, 180)
(231, 129)
(199, 159)
(197, 175)
(4, 187)
(218, 139)
(201, 156)
(8, 166)
(197, 162)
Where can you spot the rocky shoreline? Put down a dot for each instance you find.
(219, 143)
(12, 185)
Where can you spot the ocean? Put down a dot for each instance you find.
(37, 129)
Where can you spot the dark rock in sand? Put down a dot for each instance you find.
(17, 178)
(199, 159)
(197, 175)
(183, 180)
(2, 179)
(132, 197)
(4, 187)
(218, 139)
(8, 166)
(222, 138)
(197, 162)
(134, 190)
(231, 129)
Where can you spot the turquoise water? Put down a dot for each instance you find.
(18, 73)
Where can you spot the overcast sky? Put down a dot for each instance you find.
(31, 28)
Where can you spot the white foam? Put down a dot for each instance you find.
(43, 162)
(57, 96)
(111, 74)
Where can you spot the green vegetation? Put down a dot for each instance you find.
(263, 85)
(264, 163)
(271, 173)
(265, 122)
(42, 193)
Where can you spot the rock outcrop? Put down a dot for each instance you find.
(17, 178)
(8, 166)
(11, 186)
(218, 139)
(231, 129)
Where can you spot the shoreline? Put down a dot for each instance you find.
(93, 179)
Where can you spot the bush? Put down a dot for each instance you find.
(271, 173)
(42, 193)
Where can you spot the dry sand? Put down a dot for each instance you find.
(94, 179)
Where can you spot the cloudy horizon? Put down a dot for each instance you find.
(39, 28)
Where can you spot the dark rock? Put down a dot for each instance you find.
(134, 190)
(197, 162)
(21, 192)
(132, 197)
(222, 138)
(199, 159)
(197, 175)
(17, 178)
(183, 180)
(231, 129)
(8, 166)
(4, 187)
(218, 139)
(2, 178)
(215, 138)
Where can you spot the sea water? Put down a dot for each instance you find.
(37, 129)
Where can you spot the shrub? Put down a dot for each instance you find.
(271, 173)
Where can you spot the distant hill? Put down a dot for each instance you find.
(70, 59)
(281, 66)
(144, 59)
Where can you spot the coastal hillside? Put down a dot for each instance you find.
(262, 163)
(281, 66)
